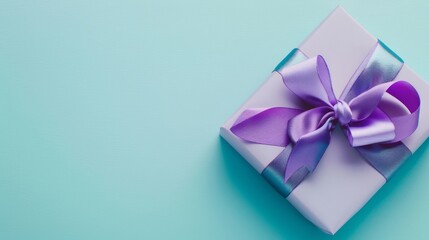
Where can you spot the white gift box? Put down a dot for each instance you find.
(343, 181)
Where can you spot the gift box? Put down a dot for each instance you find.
(342, 174)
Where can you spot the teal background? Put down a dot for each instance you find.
(109, 116)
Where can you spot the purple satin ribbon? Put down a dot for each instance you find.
(383, 113)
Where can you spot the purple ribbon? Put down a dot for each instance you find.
(385, 113)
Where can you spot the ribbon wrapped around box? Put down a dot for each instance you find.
(327, 134)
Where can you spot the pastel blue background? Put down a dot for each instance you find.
(109, 116)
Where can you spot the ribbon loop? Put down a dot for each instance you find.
(377, 128)
(310, 80)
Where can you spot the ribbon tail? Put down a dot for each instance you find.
(307, 122)
(265, 125)
(306, 154)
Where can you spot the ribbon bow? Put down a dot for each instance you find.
(385, 113)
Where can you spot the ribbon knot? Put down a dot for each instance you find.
(382, 114)
(343, 113)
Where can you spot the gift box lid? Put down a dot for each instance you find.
(342, 182)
